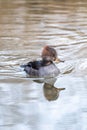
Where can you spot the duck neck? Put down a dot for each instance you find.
(46, 62)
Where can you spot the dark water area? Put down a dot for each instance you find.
(26, 26)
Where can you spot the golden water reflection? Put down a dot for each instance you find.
(51, 93)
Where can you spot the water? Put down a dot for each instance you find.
(26, 26)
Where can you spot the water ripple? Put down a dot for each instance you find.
(25, 27)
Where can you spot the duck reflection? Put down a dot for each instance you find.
(51, 93)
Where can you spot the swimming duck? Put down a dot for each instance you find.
(45, 67)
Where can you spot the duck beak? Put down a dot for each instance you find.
(57, 60)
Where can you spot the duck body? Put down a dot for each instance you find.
(39, 69)
(45, 67)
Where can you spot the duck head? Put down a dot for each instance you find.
(50, 54)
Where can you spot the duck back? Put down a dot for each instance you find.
(37, 69)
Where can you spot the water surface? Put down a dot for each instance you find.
(26, 26)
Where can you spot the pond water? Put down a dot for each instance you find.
(26, 26)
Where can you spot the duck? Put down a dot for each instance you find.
(44, 68)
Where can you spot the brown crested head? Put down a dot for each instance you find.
(49, 53)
